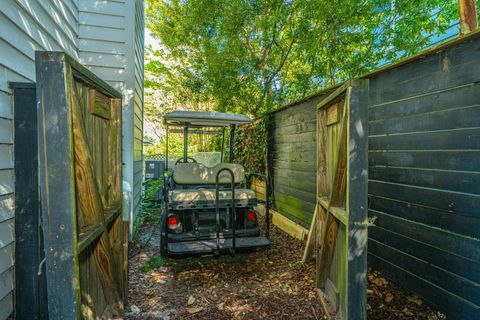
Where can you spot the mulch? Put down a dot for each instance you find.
(268, 284)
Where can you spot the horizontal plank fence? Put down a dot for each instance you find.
(423, 172)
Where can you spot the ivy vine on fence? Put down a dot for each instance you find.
(251, 145)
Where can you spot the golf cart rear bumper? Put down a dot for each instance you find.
(210, 246)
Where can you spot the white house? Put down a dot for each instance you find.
(104, 35)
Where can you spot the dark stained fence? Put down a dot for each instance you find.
(424, 177)
(294, 160)
(424, 173)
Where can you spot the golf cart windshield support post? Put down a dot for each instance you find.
(166, 152)
(267, 197)
(185, 143)
(233, 220)
(223, 145)
(232, 135)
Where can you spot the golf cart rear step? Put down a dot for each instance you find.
(209, 246)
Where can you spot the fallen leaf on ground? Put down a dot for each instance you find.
(194, 310)
(388, 297)
(191, 300)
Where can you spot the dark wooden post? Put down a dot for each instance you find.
(57, 185)
(30, 300)
(468, 16)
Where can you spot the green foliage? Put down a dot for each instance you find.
(249, 56)
(251, 143)
(154, 262)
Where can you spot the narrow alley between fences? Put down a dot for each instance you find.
(266, 284)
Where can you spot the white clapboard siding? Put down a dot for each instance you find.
(138, 103)
(6, 257)
(101, 35)
(6, 207)
(6, 156)
(111, 45)
(6, 306)
(6, 283)
(26, 26)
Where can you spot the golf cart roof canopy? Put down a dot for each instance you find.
(205, 119)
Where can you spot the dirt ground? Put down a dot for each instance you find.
(268, 284)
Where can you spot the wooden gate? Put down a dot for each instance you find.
(341, 213)
(86, 241)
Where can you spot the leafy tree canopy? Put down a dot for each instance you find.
(250, 56)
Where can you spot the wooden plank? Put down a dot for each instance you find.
(333, 115)
(463, 139)
(467, 182)
(447, 241)
(448, 261)
(453, 67)
(310, 245)
(466, 225)
(466, 117)
(451, 305)
(448, 281)
(99, 104)
(461, 203)
(338, 212)
(462, 160)
(290, 227)
(57, 190)
(450, 98)
(88, 235)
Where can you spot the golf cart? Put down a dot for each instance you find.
(208, 209)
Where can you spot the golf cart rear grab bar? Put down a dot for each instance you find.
(217, 208)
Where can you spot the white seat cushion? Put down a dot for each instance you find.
(188, 195)
(197, 173)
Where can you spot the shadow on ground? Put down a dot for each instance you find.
(268, 284)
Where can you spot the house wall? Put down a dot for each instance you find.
(106, 36)
(111, 45)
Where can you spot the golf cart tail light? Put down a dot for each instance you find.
(251, 216)
(172, 221)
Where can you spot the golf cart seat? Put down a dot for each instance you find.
(200, 181)
(199, 174)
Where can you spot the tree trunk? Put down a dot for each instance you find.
(468, 16)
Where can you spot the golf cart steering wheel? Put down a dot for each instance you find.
(180, 160)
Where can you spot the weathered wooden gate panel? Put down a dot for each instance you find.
(79, 119)
(424, 177)
(341, 211)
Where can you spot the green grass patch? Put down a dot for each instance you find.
(154, 262)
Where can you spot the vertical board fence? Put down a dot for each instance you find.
(86, 241)
(341, 210)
